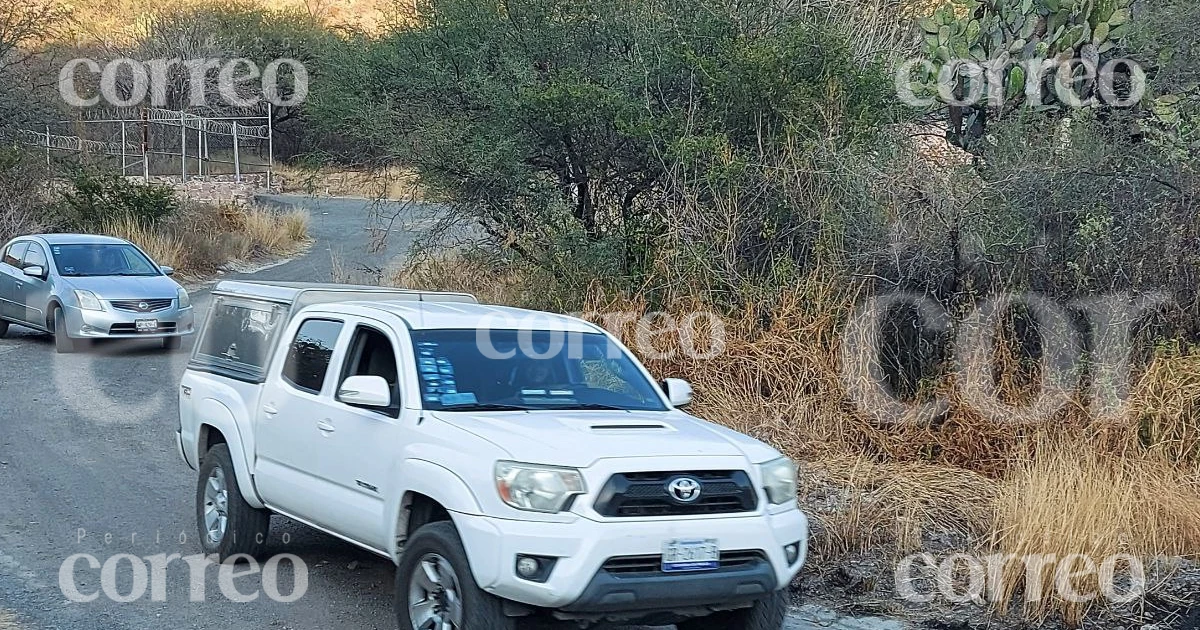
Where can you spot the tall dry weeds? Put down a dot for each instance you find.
(202, 238)
(1075, 507)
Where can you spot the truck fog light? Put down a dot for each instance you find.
(535, 568)
(528, 567)
(793, 552)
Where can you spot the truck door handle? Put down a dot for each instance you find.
(326, 426)
(270, 410)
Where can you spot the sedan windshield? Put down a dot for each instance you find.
(510, 370)
(102, 259)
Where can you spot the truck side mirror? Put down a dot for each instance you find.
(678, 391)
(365, 391)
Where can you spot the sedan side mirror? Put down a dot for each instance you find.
(678, 391)
(167, 271)
(365, 391)
(35, 271)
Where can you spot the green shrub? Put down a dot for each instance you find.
(94, 197)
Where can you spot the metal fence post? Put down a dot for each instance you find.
(237, 164)
(122, 148)
(182, 147)
(270, 145)
(203, 124)
(145, 147)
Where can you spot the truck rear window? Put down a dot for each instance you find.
(238, 338)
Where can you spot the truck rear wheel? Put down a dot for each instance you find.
(766, 614)
(435, 587)
(228, 525)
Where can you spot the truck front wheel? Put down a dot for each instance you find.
(765, 614)
(435, 587)
(228, 525)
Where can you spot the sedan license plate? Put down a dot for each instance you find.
(146, 325)
(691, 555)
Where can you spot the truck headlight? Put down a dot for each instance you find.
(536, 488)
(185, 300)
(88, 300)
(779, 480)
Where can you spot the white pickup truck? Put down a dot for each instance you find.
(512, 464)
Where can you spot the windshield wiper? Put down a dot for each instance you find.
(484, 407)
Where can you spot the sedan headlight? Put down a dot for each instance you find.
(88, 300)
(779, 480)
(185, 300)
(537, 488)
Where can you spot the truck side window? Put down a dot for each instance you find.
(309, 355)
(372, 354)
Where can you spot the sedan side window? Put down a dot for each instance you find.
(15, 254)
(36, 256)
(310, 353)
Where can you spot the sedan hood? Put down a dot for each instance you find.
(126, 287)
(578, 439)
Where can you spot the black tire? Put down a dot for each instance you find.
(480, 610)
(3, 328)
(63, 343)
(246, 527)
(171, 344)
(766, 614)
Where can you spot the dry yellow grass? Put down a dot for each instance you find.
(202, 238)
(271, 231)
(861, 506)
(388, 183)
(1070, 500)
(165, 248)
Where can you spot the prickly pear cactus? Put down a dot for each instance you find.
(1005, 34)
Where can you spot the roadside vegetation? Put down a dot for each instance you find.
(654, 156)
(196, 239)
(754, 160)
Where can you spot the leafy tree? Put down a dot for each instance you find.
(562, 128)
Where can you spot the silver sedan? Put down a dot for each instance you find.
(80, 287)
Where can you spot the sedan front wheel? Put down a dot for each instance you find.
(63, 342)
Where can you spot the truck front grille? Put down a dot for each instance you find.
(649, 494)
(652, 564)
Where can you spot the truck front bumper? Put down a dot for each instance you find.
(580, 583)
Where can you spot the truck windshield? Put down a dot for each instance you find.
(518, 370)
(102, 260)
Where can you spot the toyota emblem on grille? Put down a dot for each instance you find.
(684, 489)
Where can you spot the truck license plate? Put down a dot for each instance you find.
(691, 555)
(146, 325)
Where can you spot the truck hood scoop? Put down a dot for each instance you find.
(630, 426)
(554, 437)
